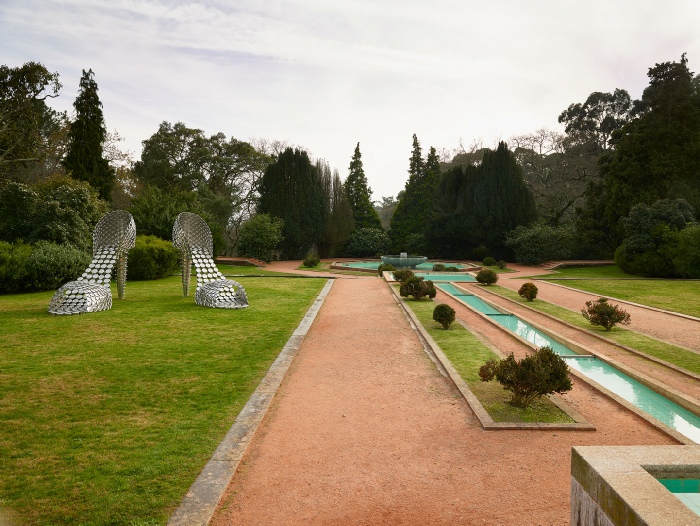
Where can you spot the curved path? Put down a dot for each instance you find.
(364, 430)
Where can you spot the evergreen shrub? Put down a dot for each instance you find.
(489, 261)
(312, 259)
(151, 258)
(439, 267)
(451, 269)
(444, 315)
(13, 266)
(50, 265)
(541, 373)
(487, 276)
(403, 274)
(388, 267)
(602, 313)
(418, 288)
(501, 264)
(528, 291)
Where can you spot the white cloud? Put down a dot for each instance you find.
(326, 75)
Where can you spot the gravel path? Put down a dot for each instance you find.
(364, 430)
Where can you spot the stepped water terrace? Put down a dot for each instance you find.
(639, 395)
(374, 265)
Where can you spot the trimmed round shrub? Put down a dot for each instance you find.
(444, 315)
(602, 313)
(501, 264)
(536, 375)
(403, 274)
(489, 261)
(312, 259)
(487, 276)
(388, 267)
(528, 291)
(418, 288)
(151, 258)
(439, 267)
(451, 269)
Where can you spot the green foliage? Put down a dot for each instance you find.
(410, 218)
(44, 266)
(601, 313)
(528, 291)
(489, 261)
(487, 276)
(385, 267)
(501, 265)
(537, 243)
(475, 206)
(59, 209)
(85, 160)
(151, 258)
(312, 259)
(259, 236)
(444, 315)
(652, 237)
(365, 242)
(23, 112)
(340, 222)
(417, 287)
(686, 259)
(360, 195)
(292, 190)
(541, 373)
(403, 275)
(439, 267)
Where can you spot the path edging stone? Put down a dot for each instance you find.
(200, 502)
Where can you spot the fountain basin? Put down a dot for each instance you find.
(404, 261)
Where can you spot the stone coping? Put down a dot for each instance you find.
(621, 481)
(681, 399)
(487, 423)
(199, 504)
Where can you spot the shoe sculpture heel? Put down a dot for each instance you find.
(114, 235)
(192, 236)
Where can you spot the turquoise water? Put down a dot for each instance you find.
(622, 385)
(375, 264)
(438, 276)
(687, 490)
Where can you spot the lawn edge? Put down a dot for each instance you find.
(203, 497)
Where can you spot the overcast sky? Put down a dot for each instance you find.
(327, 74)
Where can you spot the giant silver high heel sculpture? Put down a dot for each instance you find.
(114, 235)
(192, 236)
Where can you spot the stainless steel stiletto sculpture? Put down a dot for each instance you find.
(114, 235)
(192, 236)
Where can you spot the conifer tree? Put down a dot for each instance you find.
(292, 190)
(85, 159)
(410, 219)
(360, 195)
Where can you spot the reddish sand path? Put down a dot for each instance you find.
(364, 430)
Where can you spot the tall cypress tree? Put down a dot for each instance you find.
(292, 189)
(360, 195)
(87, 134)
(409, 221)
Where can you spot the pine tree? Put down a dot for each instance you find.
(87, 133)
(410, 219)
(360, 195)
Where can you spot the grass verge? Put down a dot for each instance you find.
(467, 354)
(108, 417)
(687, 360)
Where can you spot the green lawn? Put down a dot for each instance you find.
(467, 354)
(682, 358)
(108, 417)
(604, 272)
